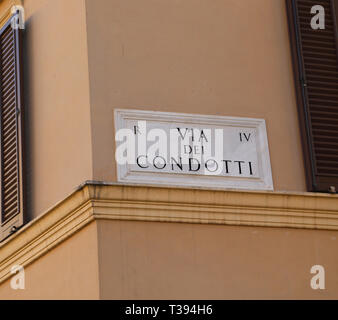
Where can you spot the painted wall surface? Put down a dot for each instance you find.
(69, 271)
(56, 82)
(152, 260)
(217, 57)
(85, 58)
(142, 260)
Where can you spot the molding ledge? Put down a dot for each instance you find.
(98, 201)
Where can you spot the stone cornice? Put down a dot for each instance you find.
(95, 201)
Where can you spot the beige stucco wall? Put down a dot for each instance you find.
(209, 57)
(58, 134)
(142, 260)
(154, 260)
(125, 242)
(69, 271)
(83, 58)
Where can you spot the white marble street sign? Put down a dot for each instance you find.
(192, 150)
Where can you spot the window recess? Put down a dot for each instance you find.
(11, 129)
(315, 65)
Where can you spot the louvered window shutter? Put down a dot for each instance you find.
(316, 77)
(11, 130)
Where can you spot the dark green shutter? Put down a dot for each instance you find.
(315, 65)
(11, 137)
